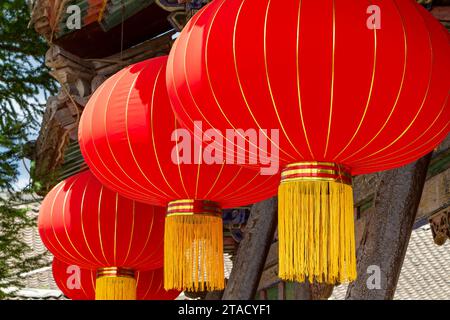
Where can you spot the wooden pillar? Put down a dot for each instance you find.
(387, 232)
(252, 252)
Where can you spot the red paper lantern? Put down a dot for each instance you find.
(126, 136)
(79, 284)
(353, 87)
(83, 223)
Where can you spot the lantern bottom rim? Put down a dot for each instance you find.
(316, 171)
(189, 207)
(115, 272)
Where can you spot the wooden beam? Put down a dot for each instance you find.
(252, 252)
(214, 295)
(387, 231)
(263, 295)
(282, 290)
(312, 291)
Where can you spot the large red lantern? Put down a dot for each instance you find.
(79, 284)
(352, 86)
(83, 223)
(128, 135)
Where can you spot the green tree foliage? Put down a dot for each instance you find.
(24, 85)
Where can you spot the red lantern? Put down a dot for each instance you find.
(353, 87)
(127, 134)
(83, 223)
(79, 284)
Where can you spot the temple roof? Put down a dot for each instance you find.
(425, 272)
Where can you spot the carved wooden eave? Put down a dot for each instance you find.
(181, 10)
(106, 25)
(57, 154)
(75, 76)
(440, 226)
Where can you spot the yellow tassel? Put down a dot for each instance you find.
(193, 252)
(316, 231)
(111, 284)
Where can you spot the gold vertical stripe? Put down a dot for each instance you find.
(178, 158)
(242, 186)
(410, 151)
(152, 106)
(230, 182)
(369, 98)
(405, 153)
(92, 275)
(423, 100)
(81, 282)
(53, 227)
(418, 138)
(215, 182)
(99, 172)
(50, 242)
(62, 282)
(115, 229)
(197, 17)
(264, 187)
(146, 241)
(156, 247)
(398, 93)
(129, 140)
(149, 286)
(99, 224)
(332, 80)
(160, 286)
(132, 233)
(269, 85)
(136, 184)
(138, 276)
(198, 172)
(297, 61)
(82, 221)
(64, 221)
(209, 80)
(240, 82)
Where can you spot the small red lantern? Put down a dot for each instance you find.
(129, 137)
(83, 223)
(79, 284)
(353, 87)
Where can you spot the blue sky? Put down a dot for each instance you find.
(24, 176)
(24, 164)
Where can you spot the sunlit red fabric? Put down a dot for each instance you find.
(337, 90)
(149, 284)
(125, 137)
(83, 223)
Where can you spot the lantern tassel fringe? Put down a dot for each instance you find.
(316, 232)
(115, 288)
(193, 253)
